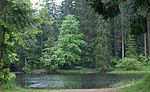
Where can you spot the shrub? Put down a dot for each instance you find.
(129, 64)
(144, 60)
(6, 76)
(113, 61)
(147, 78)
(27, 69)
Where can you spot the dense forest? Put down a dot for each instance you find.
(103, 35)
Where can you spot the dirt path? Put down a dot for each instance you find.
(89, 90)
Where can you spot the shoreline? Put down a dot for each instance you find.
(65, 90)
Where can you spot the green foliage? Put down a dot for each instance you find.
(131, 47)
(101, 46)
(138, 24)
(139, 4)
(113, 61)
(146, 78)
(88, 21)
(16, 19)
(144, 60)
(139, 63)
(129, 64)
(30, 51)
(105, 8)
(10, 87)
(70, 39)
(139, 86)
(67, 48)
(52, 58)
(6, 76)
(27, 69)
(35, 43)
(18, 13)
(10, 55)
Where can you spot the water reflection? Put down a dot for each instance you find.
(60, 81)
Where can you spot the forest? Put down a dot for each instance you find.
(75, 37)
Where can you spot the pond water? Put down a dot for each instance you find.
(73, 81)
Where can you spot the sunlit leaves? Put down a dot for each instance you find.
(67, 49)
(70, 39)
(15, 18)
(17, 13)
(6, 76)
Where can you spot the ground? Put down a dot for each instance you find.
(66, 90)
(90, 90)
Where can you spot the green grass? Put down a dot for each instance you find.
(122, 83)
(12, 87)
(27, 90)
(129, 72)
(139, 86)
(136, 86)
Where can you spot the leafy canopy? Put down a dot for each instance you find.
(67, 49)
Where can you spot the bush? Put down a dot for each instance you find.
(144, 60)
(113, 61)
(27, 69)
(146, 78)
(129, 64)
(6, 77)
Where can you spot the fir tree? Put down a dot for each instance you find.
(101, 50)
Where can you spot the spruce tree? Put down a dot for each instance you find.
(101, 51)
(130, 46)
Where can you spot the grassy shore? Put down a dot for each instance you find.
(142, 85)
(129, 72)
(82, 71)
(139, 86)
(27, 90)
(12, 87)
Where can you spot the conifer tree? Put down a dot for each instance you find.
(101, 51)
(130, 46)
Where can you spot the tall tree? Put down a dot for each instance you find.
(88, 20)
(15, 21)
(105, 8)
(15, 17)
(101, 51)
(30, 55)
(67, 49)
(130, 46)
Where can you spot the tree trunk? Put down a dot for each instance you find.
(122, 29)
(148, 26)
(145, 44)
(2, 38)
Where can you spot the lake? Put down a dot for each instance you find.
(73, 81)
